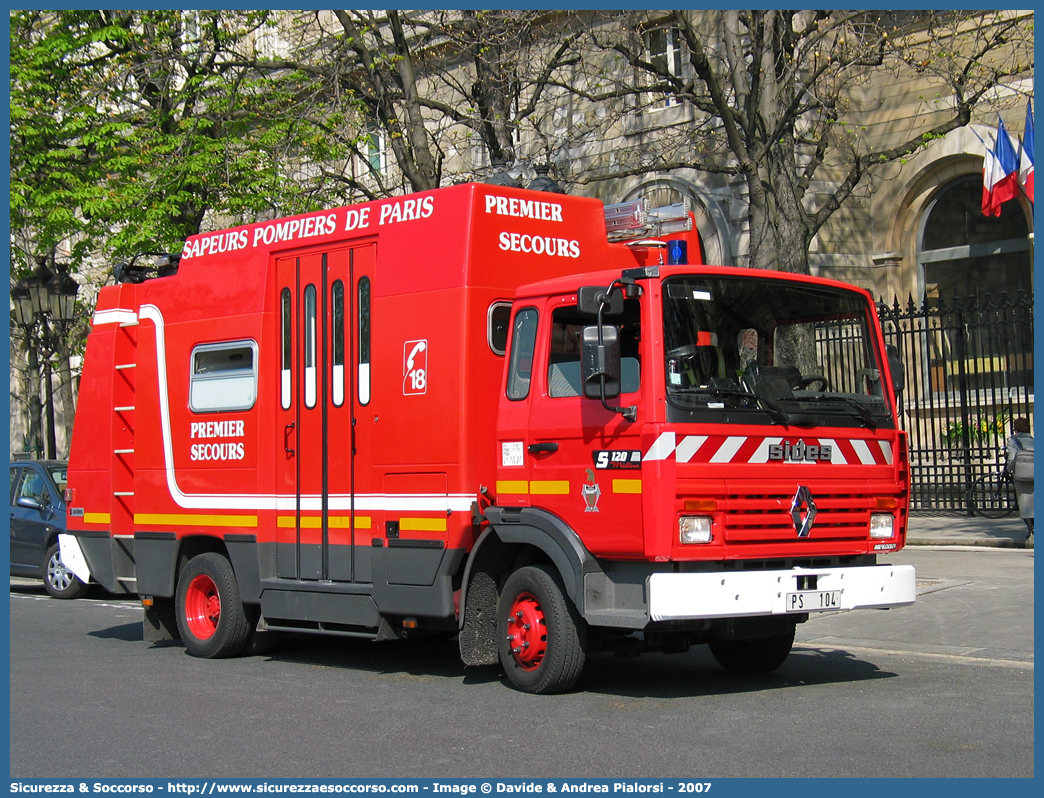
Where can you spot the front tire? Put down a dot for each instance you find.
(59, 581)
(753, 656)
(540, 635)
(211, 618)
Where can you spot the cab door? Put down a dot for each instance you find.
(319, 397)
(584, 461)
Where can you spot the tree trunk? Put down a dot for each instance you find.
(779, 232)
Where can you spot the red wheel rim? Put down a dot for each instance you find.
(202, 607)
(527, 631)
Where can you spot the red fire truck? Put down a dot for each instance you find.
(518, 417)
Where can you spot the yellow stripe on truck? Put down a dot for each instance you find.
(550, 487)
(422, 524)
(315, 522)
(515, 487)
(152, 519)
(627, 486)
(96, 518)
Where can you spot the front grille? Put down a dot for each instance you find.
(766, 518)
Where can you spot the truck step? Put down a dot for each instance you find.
(316, 627)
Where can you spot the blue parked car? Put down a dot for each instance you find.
(37, 517)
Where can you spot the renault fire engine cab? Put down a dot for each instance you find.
(518, 417)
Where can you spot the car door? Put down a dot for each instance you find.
(30, 523)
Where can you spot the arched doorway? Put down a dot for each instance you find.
(968, 348)
(962, 252)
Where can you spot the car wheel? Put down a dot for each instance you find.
(59, 581)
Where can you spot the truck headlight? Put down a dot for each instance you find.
(694, 529)
(882, 525)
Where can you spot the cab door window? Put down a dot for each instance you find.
(523, 346)
(567, 325)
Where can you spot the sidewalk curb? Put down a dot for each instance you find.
(998, 543)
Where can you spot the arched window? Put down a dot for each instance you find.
(963, 252)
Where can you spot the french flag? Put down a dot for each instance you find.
(1000, 174)
(1026, 155)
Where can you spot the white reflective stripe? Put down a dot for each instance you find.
(310, 386)
(886, 450)
(689, 446)
(863, 452)
(396, 502)
(114, 316)
(338, 385)
(284, 389)
(364, 383)
(728, 449)
(837, 457)
(662, 448)
(761, 454)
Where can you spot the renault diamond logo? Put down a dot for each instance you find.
(803, 504)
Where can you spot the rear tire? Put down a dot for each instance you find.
(540, 634)
(210, 613)
(753, 656)
(59, 581)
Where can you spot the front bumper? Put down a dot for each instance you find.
(737, 594)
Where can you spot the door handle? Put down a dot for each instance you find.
(546, 446)
(286, 440)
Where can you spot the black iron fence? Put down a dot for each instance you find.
(969, 372)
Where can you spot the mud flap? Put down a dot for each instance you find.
(478, 633)
(73, 557)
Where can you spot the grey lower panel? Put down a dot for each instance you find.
(155, 564)
(330, 608)
(403, 565)
(244, 554)
(339, 566)
(110, 560)
(411, 566)
(340, 562)
(618, 596)
(432, 599)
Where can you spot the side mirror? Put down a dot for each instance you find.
(589, 300)
(895, 365)
(600, 360)
(31, 504)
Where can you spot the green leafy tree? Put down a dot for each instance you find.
(131, 129)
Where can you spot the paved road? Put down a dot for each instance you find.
(943, 688)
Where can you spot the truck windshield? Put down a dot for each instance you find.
(747, 349)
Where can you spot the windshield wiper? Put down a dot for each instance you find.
(773, 409)
(869, 420)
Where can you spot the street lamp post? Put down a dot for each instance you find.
(38, 300)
